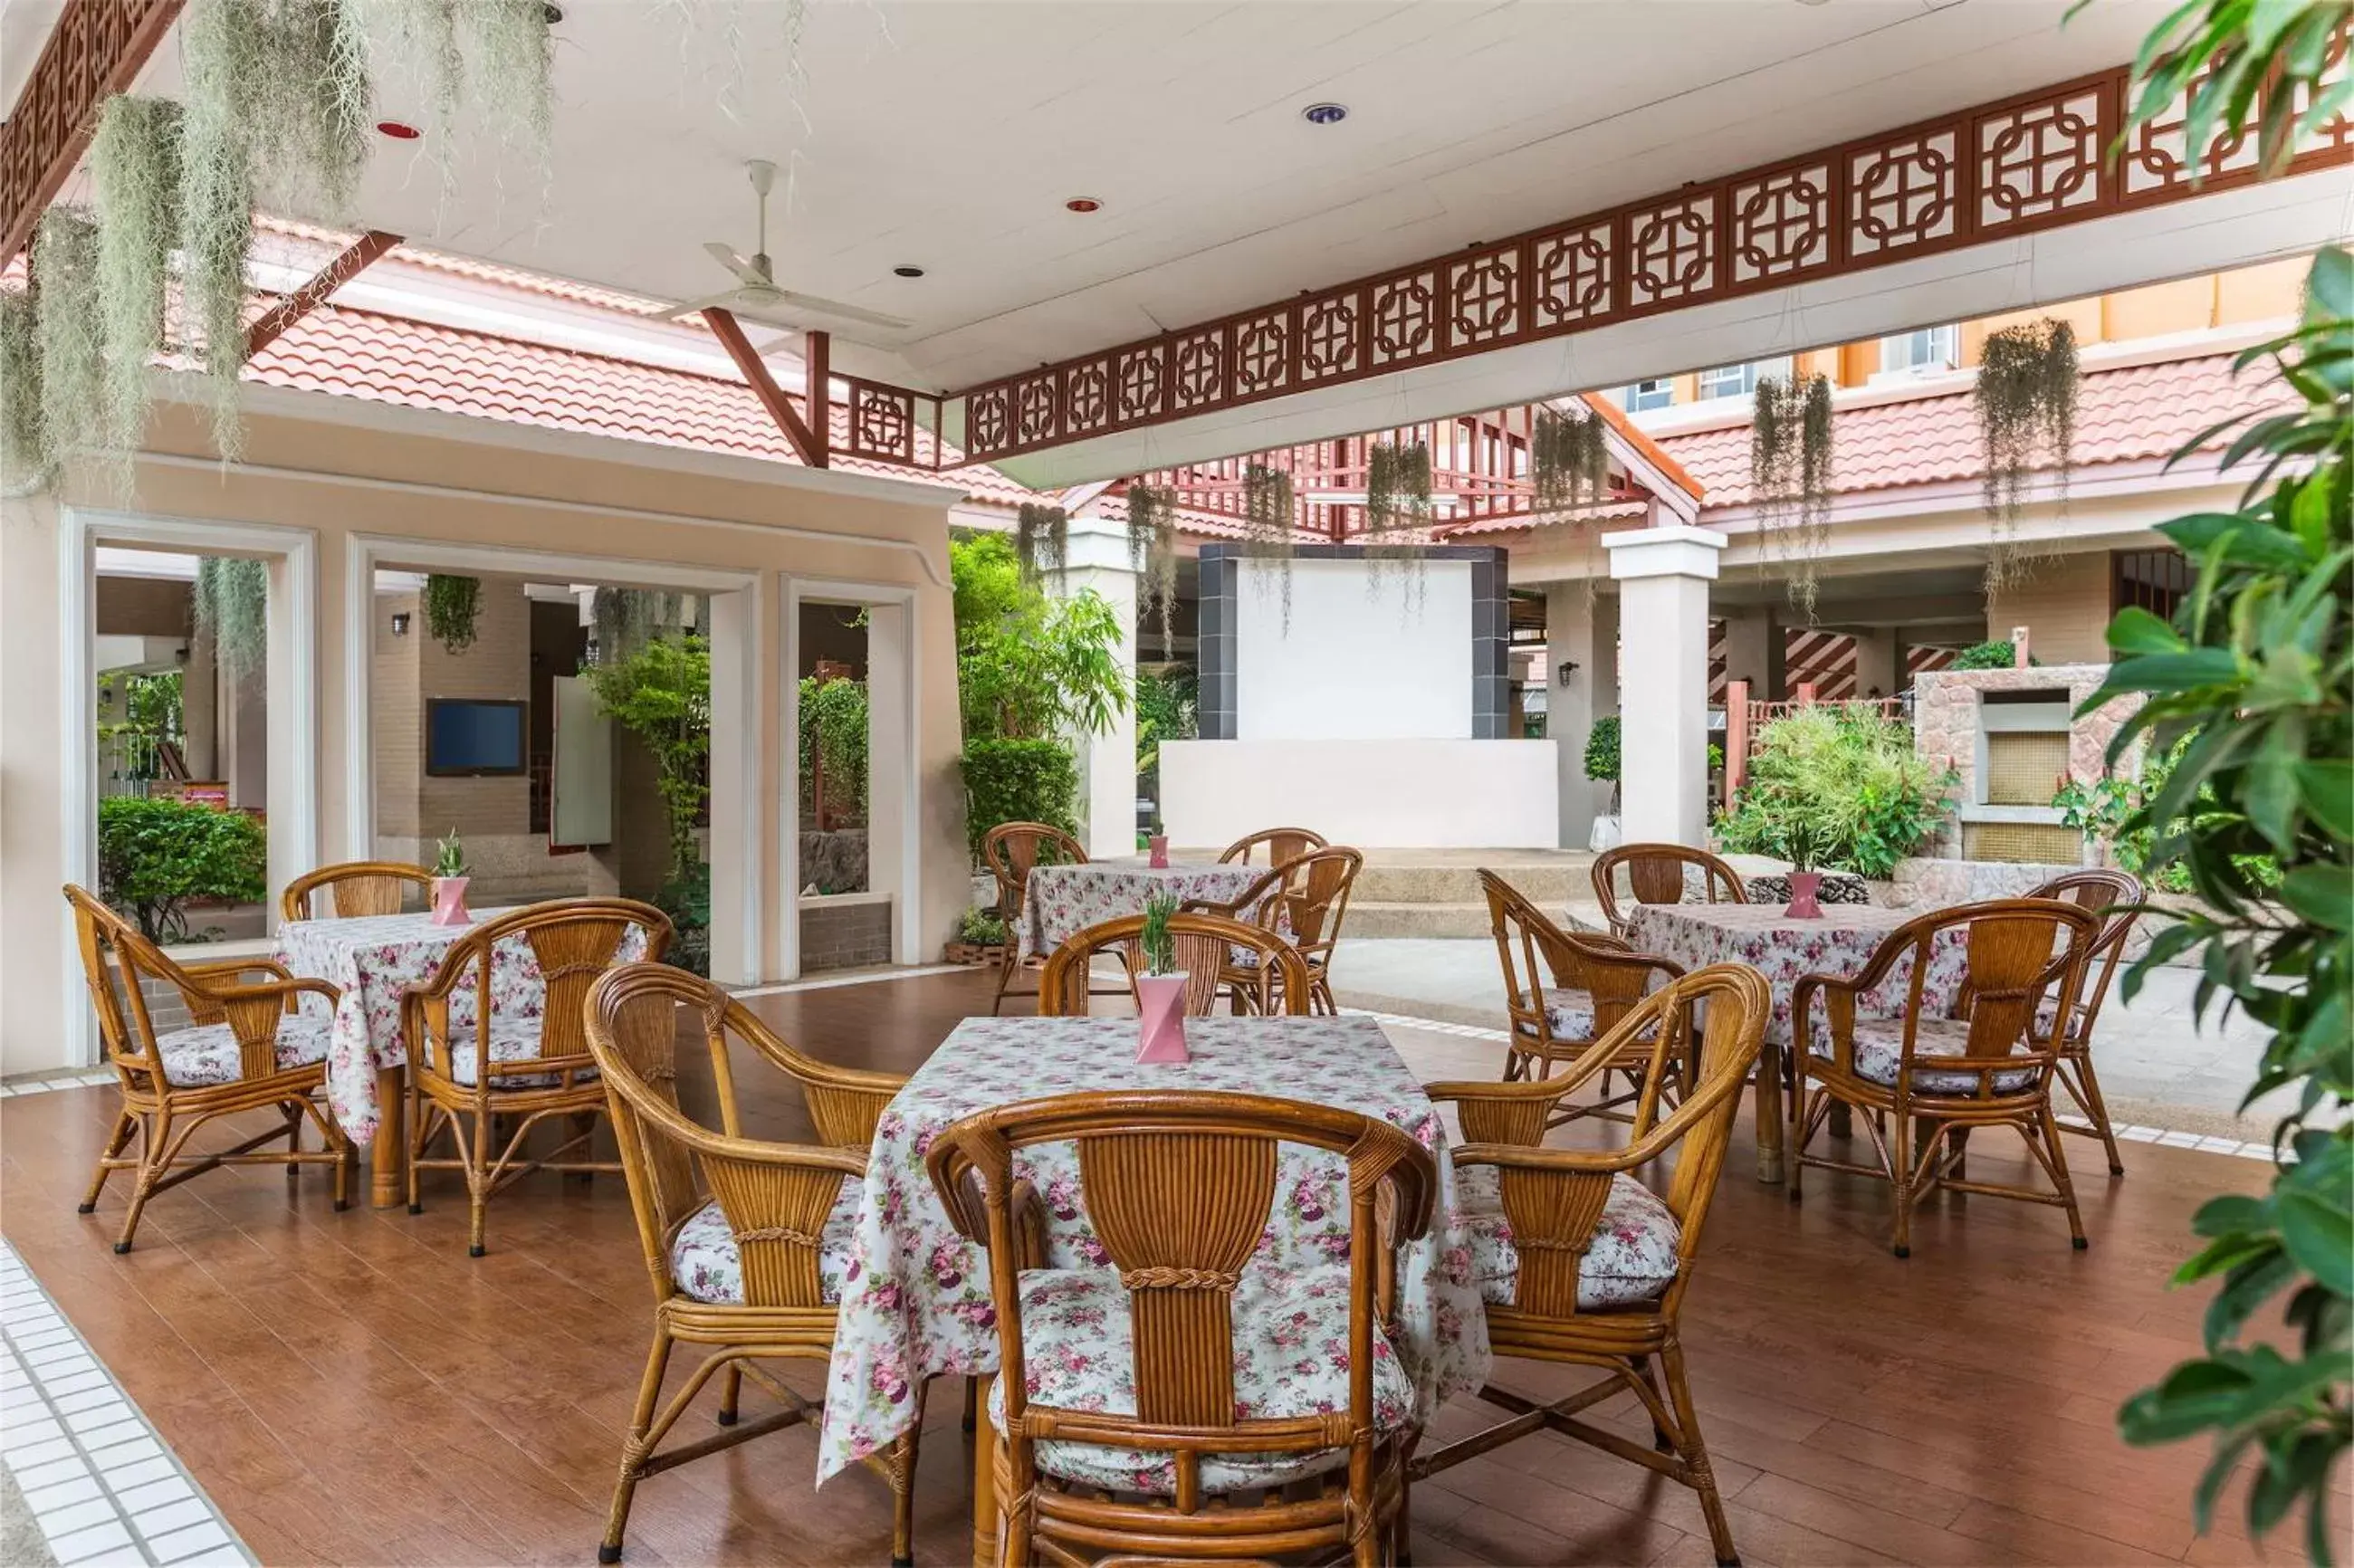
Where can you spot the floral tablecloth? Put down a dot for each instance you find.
(917, 1301)
(1064, 900)
(1785, 951)
(373, 958)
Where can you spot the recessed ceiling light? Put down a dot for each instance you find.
(399, 130)
(1084, 204)
(907, 272)
(1325, 113)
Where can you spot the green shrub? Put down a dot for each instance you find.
(2112, 809)
(661, 693)
(1990, 656)
(1602, 750)
(1018, 781)
(687, 901)
(833, 730)
(981, 929)
(1841, 787)
(157, 855)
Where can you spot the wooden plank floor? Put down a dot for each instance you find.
(352, 1389)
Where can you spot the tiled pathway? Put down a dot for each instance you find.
(99, 1483)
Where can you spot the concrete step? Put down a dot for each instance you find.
(1370, 919)
(1549, 883)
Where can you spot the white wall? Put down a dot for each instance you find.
(1369, 794)
(1366, 656)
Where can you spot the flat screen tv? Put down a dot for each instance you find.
(467, 737)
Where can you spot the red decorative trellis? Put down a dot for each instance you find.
(96, 48)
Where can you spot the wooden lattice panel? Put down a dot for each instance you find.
(96, 48)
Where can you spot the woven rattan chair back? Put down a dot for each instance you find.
(356, 887)
(1178, 1188)
(1543, 961)
(1012, 851)
(1655, 874)
(1276, 982)
(2022, 953)
(2118, 898)
(116, 962)
(1281, 844)
(1315, 889)
(573, 941)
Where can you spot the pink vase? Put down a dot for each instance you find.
(1160, 1008)
(1159, 846)
(449, 902)
(1803, 885)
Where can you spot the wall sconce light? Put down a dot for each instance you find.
(1564, 671)
(400, 624)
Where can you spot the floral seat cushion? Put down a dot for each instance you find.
(1565, 1020)
(512, 1040)
(1880, 1050)
(1292, 1358)
(208, 1056)
(704, 1260)
(1630, 1261)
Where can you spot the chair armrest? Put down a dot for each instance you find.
(232, 968)
(1231, 909)
(286, 991)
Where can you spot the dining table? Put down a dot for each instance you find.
(1785, 949)
(916, 1300)
(372, 959)
(1060, 901)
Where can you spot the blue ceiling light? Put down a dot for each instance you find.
(1325, 113)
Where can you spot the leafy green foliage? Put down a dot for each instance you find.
(662, 695)
(686, 899)
(2249, 693)
(157, 855)
(1833, 787)
(833, 736)
(2104, 807)
(1602, 749)
(981, 929)
(1167, 708)
(450, 855)
(1018, 781)
(151, 710)
(1029, 667)
(450, 605)
(2222, 51)
(1990, 656)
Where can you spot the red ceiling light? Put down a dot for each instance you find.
(1084, 204)
(399, 130)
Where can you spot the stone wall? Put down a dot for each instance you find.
(1945, 709)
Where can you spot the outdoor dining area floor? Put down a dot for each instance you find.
(351, 1388)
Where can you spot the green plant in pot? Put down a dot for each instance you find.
(1161, 988)
(1804, 841)
(450, 881)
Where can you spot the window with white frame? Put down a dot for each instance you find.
(1645, 395)
(1929, 348)
(1741, 380)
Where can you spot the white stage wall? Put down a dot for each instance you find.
(1370, 794)
(1367, 654)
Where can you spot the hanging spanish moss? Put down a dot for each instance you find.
(1569, 460)
(1152, 551)
(226, 55)
(1267, 527)
(232, 607)
(2026, 406)
(1789, 478)
(1040, 539)
(72, 348)
(134, 168)
(452, 604)
(513, 54)
(624, 620)
(24, 444)
(1397, 509)
(316, 105)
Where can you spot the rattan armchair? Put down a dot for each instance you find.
(1276, 982)
(1983, 1066)
(484, 1076)
(1154, 1357)
(2119, 897)
(1011, 850)
(746, 1240)
(356, 887)
(1281, 844)
(1564, 991)
(1301, 901)
(1656, 873)
(249, 1045)
(1582, 1265)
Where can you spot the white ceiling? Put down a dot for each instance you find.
(948, 135)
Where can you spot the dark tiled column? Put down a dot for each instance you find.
(1214, 654)
(1491, 635)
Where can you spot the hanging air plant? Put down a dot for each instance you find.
(224, 56)
(72, 348)
(233, 608)
(625, 619)
(1152, 551)
(2027, 405)
(1397, 508)
(451, 606)
(1267, 526)
(1040, 539)
(513, 54)
(1790, 477)
(24, 458)
(135, 166)
(316, 104)
(1569, 461)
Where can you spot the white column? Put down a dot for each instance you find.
(1096, 557)
(1663, 575)
(1875, 661)
(1581, 630)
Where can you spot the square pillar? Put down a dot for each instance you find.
(1876, 661)
(1663, 575)
(1096, 557)
(1753, 644)
(1581, 630)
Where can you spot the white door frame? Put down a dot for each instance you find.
(293, 786)
(365, 554)
(908, 897)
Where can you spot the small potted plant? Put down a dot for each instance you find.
(1156, 846)
(450, 882)
(1805, 845)
(978, 932)
(1161, 988)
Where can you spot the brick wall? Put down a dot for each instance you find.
(845, 935)
(2065, 604)
(397, 719)
(496, 665)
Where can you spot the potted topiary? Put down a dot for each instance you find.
(450, 881)
(1161, 988)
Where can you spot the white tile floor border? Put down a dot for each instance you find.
(59, 1081)
(98, 1478)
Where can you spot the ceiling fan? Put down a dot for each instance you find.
(755, 294)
